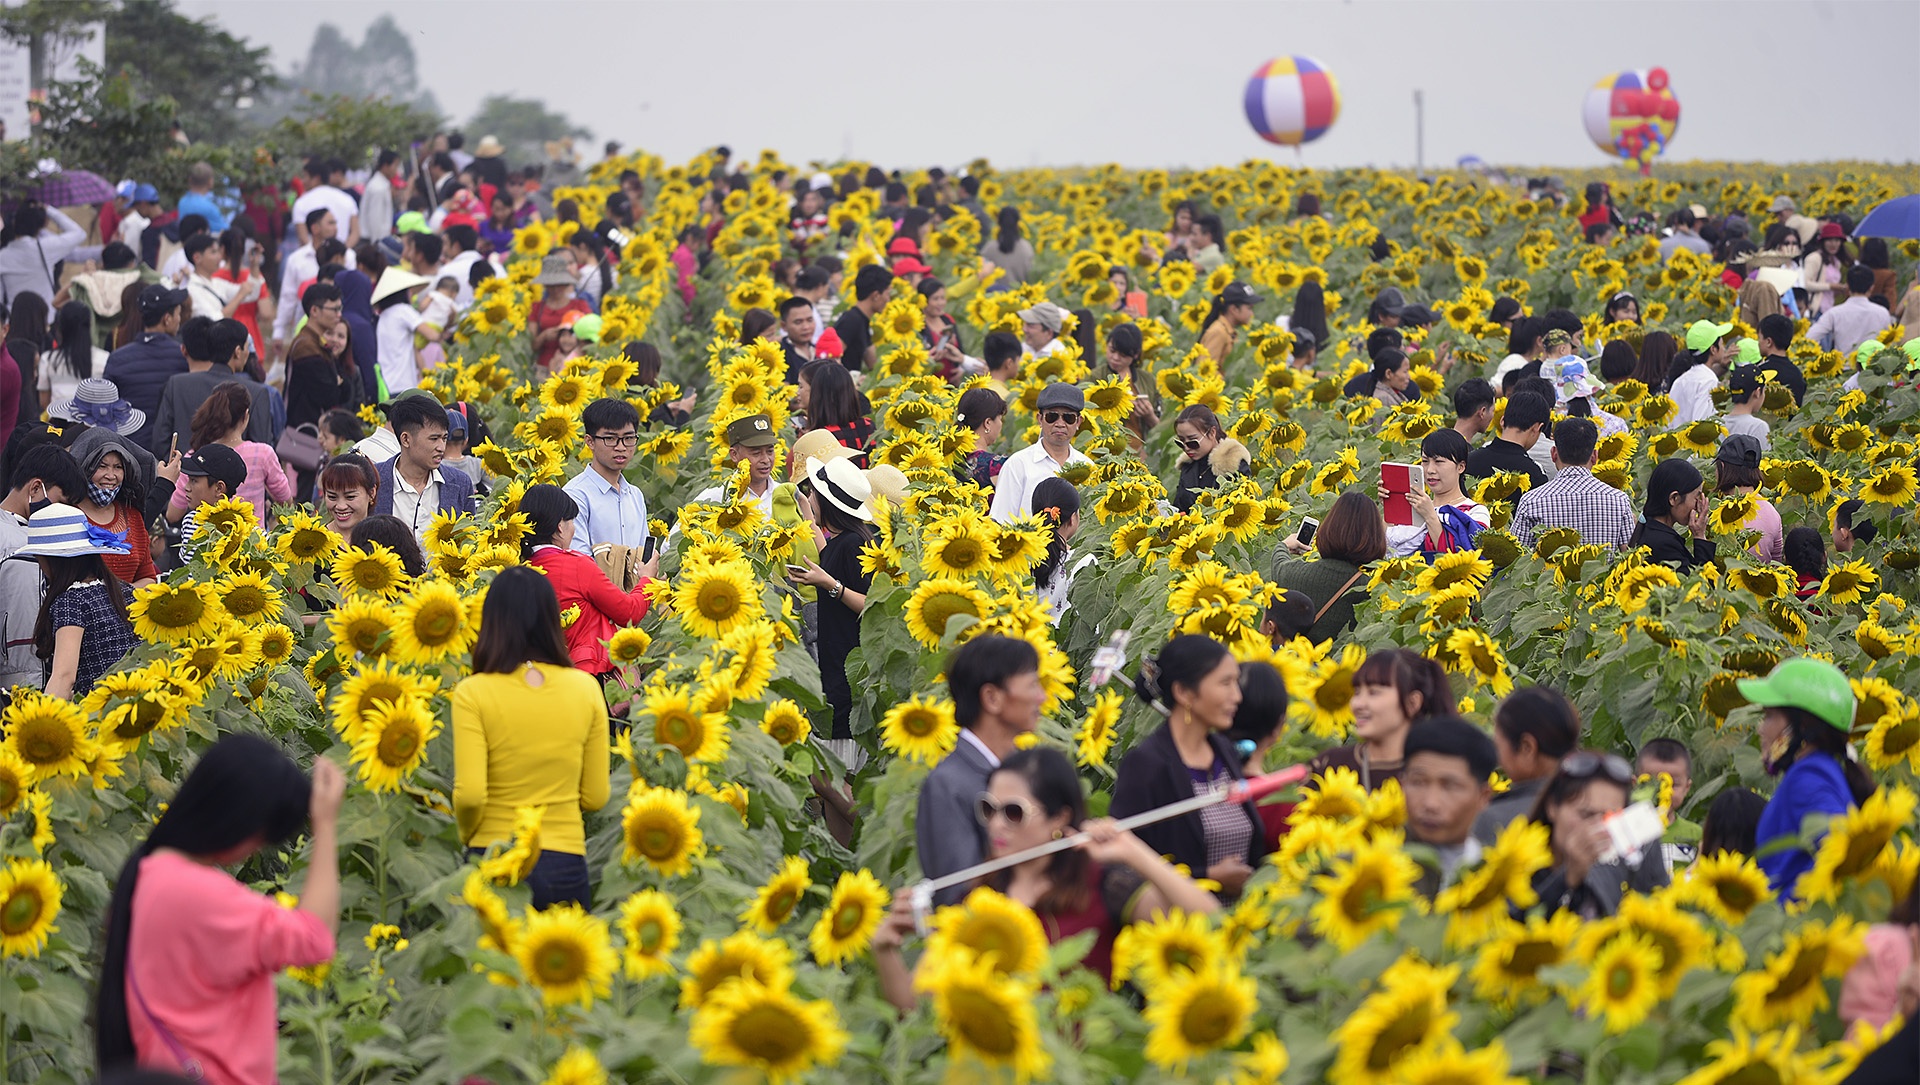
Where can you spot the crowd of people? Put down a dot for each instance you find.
(205, 359)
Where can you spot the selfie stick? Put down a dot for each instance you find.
(1238, 792)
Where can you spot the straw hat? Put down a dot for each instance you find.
(489, 148)
(395, 281)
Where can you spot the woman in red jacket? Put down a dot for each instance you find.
(577, 580)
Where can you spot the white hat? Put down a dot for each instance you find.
(843, 485)
(395, 281)
(96, 401)
(821, 182)
(62, 531)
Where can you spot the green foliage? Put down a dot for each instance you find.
(524, 125)
(210, 75)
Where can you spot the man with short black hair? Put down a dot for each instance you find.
(1473, 404)
(1520, 428)
(462, 253)
(872, 289)
(421, 253)
(216, 354)
(1574, 498)
(142, 368)
(214, 298)
(376, 199)
(1671, 757)
(1533, 728)
(211, 474)
(412, 485)
(612, 509)
(814, 284)
(302, 265)
(321, 192)
(1776, 336)
(1447, 784)
(1855, 320)
(994, 682)
(1001, 352)
(1683, 236)
(797, 327)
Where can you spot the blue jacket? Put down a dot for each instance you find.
(141, 370)
(1815, 784)
(456, 490)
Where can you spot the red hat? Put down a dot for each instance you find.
(903, 246)
(1831, 229)
(908, 265)
(829, 345)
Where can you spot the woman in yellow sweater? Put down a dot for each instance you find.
(529, 730)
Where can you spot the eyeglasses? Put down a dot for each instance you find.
(1055, 417)
(1191, 444)
(334, 309)
(622, 440)
(1016, 811)
(1586, 764)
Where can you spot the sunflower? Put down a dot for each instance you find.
(1199, 1012)
(248, 597)
(661, 826)
(274, 644)
(742, 956)
(991, 927)
(1478, 655)
(700, 736)
(1360, 894)
(1894, 738)
(767, 1029)
(174, 613)
(16, 781)
(49, 735)
(777, 900)
(1503, 877)
(1725, 885)
(1701, 438)
(432, 624)
(1453, 569)
(959, 549)
(370, 684)
(577, 1067)
(393, 743)
(1849, 582)
(304, 539)
(1328, 702)
(714, 599)
(1896, 485)
(751, 669)
(853, 913)
(1744, 1059)
(566, 952)
(650, 928)
(1622, 982)
(786, 723)
(1406, 1012)
(628, 646)
(922, 731)
(130, 705)
(30, 894)
(1854, 841)
(1506, 971)
(1733, 513)
(936, 600)
(1790, 989)
(376, 571)
(1096, 733)
(984, 1014)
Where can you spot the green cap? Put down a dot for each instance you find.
(587, 328)
(1749, 352)
(1868, 351)
(1702, 334)
(1814, 685)
(1912, 350)
(413, 222)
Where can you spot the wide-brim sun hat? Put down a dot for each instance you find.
(395, 281)
(818, 444)
(96, 401)
(1811, 685)
(554, 272)
(63, 531)
(842, 485)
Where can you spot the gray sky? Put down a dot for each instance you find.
(1151, 82)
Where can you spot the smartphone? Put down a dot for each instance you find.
(796, 570)
(173, 446)
(647, 548)
(1305, 534)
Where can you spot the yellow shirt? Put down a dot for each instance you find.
(516, 745)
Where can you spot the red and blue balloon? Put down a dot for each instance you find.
(1292, 100)
(1632, 114)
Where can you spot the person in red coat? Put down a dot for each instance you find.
(578, 580)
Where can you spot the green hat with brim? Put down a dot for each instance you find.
(1702, 334)
(1812, 685)
(587, 328)
(1911, 348)
(1749, 352)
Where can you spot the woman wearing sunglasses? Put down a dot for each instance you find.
(1206, 455)
(1109, 881)
(1574, 806)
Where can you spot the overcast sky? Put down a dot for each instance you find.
(1151, 82)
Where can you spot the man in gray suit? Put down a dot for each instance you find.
(995, 685)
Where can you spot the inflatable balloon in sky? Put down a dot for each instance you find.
(1292, 100)
(1632, 114)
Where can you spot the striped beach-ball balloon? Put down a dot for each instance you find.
(1292, 100)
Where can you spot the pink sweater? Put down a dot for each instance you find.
(201, 960)
(1871, 991)
(264, 479)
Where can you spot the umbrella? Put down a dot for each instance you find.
(1897, 218)
(73, 188)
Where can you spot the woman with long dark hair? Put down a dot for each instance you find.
(1825, 267)
(192, 954)
(577, 579)
(595, 275)
(835, 498)
(72, 358)
(1057, 504)
(529, 730)
(1393, 690)
(241, 258)
(27, 339)
(223, 420)
(82, 631)
(1232, 309)
(1310, 313)
(1124, 349)
(1008, 250)
(1208, 456)
(984, 412)
(1657, 351)
(1804, 741)
(831, 402)
(1112, 880)
(1676, 498)
(1194, 683)
(1389, 379)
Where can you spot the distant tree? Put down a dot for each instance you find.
(213, 77)
(349, 128)
(523, 125)
(383, 65)
(50, 29)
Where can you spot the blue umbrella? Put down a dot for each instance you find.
(1897, 218)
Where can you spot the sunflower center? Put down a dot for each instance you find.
(559, 962)
(1530, 957)
(1404, 1031)
(21, 911)
(175, 609)
(983, 1022)
(780, 904)
(399, 743)
(770, 1034)
(1209, 1020)
(43, 741)
(847, 919)
(717, 600)
(436, 623)
(647, 935)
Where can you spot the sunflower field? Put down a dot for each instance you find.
(729, 938)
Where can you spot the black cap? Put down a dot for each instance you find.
(219, 463)
(156, 301)
(1238, 293)
(1416, 315)
(1740, 450)
(1745, 380)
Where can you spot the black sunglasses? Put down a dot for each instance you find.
(1191, 444)
(1050, 417)
(1586, 764)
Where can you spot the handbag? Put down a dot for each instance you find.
(300, 446)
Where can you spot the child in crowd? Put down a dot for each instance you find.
(1743, 415)
(1669, 756)
(214, 472)
(458, 432)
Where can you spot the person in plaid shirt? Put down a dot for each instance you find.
(1574, 498)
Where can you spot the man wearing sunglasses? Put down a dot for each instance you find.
(995, 685)
(1059, 410)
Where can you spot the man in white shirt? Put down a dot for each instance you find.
(212, 298)
(1040, 329)
(300, 265)
(376, 200)
(612, 510)
(749, 439)
(1059, 409)
(346, 213)
(1855, 320)
(143, 205)
(461, 253)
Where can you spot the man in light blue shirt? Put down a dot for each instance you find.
(612, 510)
(199, 198)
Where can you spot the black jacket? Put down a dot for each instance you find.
(1896, 1062)
(1500, 455)
(1152, 775)
(1666, 546)
(1228, 458)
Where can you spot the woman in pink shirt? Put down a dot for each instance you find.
(187, 983)
(222, 419)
